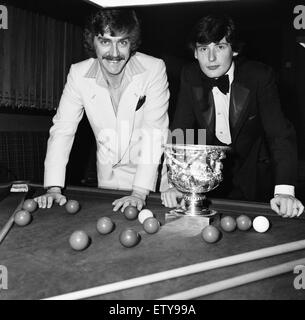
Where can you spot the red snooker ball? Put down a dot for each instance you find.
(29, 205)
(104, 225)
(79, 240)
(131, 212)
(129, 238)
(244, 223)
(151, 225)
(22, 218)
(210, 234)
(72, 206)
(228, 224)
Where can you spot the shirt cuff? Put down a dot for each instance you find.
(141, 190)
(284, 189)
(54, 189)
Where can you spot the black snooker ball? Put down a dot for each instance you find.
(72, 206)
(129, 238)
(131, 212)
(79, 240)
(104, 225)
(244, 223)
(22, 218)
(151, 225)
(228, 224)
(210, 234)
(29, 205)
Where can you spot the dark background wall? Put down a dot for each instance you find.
(266, 27)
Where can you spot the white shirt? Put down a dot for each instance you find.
(222, 124)
(222, 104)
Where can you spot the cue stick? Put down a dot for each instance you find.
(4, 231)
(235, 281)
(183, 271)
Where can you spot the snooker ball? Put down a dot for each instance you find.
(261, 224)
(228, 224)
(29, 205)
(151, 225)
(131, 212)
(104, 225)
(79, 240)
(72, 206)
(144, 214)
(129, 238)
(210, 234)
(22, 218)
(244, 223)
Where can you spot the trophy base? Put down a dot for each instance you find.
(205, 212)
(192, 224)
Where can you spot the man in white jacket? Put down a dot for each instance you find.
(125, 96)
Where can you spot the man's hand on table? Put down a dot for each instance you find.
(286, 206)
(170, 198)
(52, 195)
(136, 199)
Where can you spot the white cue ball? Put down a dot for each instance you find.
(144, 214)
(261, 224)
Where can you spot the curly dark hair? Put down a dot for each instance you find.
(213, 28)
(115, 21)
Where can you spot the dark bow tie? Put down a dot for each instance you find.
(222, 83)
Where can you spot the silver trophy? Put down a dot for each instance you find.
(194, 170)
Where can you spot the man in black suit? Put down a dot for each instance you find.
(237, 102)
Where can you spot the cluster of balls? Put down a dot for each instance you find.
(23, 217)
(79, 240)
(211, 233)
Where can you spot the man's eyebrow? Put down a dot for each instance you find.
(222, 43)
(125, 38)
(100, 37)
(206, 45)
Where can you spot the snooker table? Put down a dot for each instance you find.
(42, 264)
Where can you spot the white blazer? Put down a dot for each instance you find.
(129, 143)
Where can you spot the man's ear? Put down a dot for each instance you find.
(195, 54)
(235, 54)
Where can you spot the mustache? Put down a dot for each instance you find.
(112, 58)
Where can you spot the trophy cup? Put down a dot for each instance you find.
(194, 170)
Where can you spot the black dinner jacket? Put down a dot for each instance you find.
(262, 139)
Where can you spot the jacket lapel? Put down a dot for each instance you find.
(127, 111)
(238, 109)
(99, 99)
(204, 103)
(205, 111)
(103, 109)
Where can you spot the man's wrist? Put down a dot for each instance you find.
(284, 189)
(56, 189)
(284, 195)
(139, 194)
